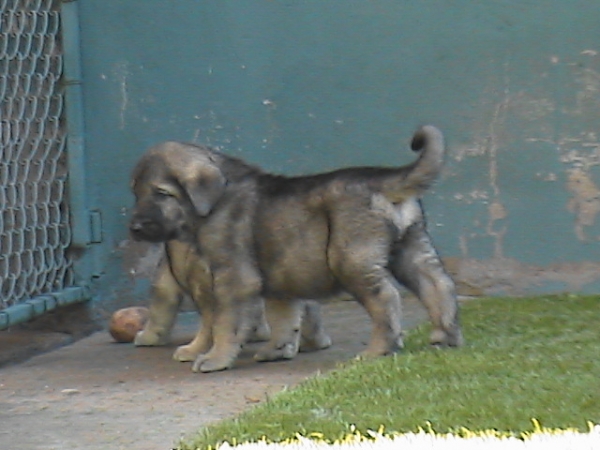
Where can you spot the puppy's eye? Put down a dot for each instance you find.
(163, 193)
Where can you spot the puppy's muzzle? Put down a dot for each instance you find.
(142, 229)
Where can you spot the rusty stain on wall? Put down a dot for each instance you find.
(487, 143)
(577, 147)
(508, 276)
(580, 154)
(121, 73)
(496, 210)
(580, 151)
(587, 97)
(585, 203)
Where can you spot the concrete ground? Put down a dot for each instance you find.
(94, 394)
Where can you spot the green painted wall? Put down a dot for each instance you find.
(309, 85)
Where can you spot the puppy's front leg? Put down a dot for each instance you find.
(230, 332)
(203, 340)
(236, 295)
(164, 305)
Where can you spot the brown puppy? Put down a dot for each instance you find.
(291, 238)
(182, 271)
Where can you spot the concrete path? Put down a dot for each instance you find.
(98, 395)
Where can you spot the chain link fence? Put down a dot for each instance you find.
(34, 216)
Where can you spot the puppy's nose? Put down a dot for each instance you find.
(137, 229)
(136, 226)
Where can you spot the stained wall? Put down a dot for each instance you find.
(304, 86)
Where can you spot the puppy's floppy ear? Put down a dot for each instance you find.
(205, 188)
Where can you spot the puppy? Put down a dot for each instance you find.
(286, 239)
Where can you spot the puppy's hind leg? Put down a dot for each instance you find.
(260, 330)
(358, 254)
(313, 335)
(382, 301)
(416, 264)
(164, 305)
(285, 319)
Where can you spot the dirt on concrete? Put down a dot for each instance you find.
(95, 394)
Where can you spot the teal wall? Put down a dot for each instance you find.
(309, 85)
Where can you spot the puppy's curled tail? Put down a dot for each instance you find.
(417, 177)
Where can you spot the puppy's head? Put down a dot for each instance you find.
(175, 185)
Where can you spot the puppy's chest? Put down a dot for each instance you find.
(189, 268)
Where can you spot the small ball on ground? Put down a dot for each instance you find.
(125, 323)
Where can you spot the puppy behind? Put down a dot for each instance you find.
(183, 272)
(290, 238)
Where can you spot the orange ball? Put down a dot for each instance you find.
(125, 323)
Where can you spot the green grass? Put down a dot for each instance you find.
(535, 358)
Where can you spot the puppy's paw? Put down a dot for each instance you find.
(370, 354)
(186, 353)
(212, 363)
(449, 338)
(315, 343)
(455, 338)
(380, 348)
(260, 333)
(398, 343)
(287, 350)
(147, 338)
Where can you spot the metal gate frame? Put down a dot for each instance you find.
(84, 223)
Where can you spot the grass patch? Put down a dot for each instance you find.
(530, 358)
